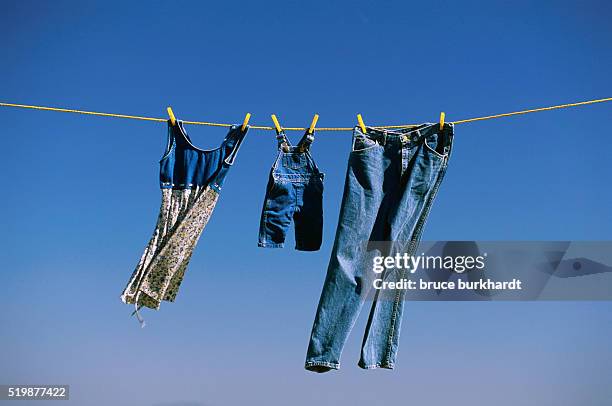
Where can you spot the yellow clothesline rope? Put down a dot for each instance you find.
(259, 127)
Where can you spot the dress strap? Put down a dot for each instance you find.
(234, 140)
(179, 129)
(171, 140)
(229, 149)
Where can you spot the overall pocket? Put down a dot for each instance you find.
(295, 160)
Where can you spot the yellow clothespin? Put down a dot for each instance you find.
(171, 114)
(313, 124)
(276, 124)
(442, 115)
(361, 124)
(246, 121)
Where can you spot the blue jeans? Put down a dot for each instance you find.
(294, 192)
(391, 182)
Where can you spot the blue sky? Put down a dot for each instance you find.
(81, 193)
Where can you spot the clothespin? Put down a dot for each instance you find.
(313, 124)
(442, 115)
(276, 124)
(361, 124)
(246, 121)
(171, 114)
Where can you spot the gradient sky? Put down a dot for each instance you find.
(81, 194)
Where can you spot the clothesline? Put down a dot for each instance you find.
(259, 127)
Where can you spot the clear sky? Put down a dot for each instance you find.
(81, 194)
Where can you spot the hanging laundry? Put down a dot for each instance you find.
(391, 182)
(294, 192)
(190, 181)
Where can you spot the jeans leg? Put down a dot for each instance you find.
(421, 180)
(343, 292)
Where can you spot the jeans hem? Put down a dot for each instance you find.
(321, 366)
(270, 245)
(383, 365)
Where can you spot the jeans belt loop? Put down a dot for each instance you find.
(384, 138)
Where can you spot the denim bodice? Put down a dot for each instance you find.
(184, 166)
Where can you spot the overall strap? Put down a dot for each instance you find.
(306, 141)
(283, 141)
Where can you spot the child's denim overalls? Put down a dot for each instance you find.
(295, 191)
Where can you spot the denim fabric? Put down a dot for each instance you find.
(391, 182)
(294, 191)
(186, 166)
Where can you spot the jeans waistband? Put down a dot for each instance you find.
(405, 136)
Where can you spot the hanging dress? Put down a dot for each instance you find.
(190, 181)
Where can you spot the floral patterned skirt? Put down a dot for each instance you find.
(182, 217)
